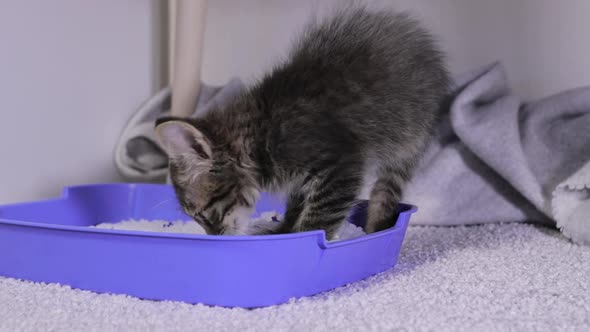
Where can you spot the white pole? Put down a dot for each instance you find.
(188, 46)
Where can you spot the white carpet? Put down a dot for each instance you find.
(479, 278)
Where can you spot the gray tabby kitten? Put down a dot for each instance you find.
(360, 91)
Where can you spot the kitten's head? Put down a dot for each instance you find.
(213, 182)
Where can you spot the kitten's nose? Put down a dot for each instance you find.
(221, 230)
(214, 230)
(209, 230)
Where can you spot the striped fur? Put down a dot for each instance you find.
(359, 91)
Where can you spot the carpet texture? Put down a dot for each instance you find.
(495, 277)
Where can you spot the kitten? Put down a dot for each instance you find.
(360, 90)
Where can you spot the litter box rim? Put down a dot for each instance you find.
(408, 209)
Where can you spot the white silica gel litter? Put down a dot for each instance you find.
(347, 230)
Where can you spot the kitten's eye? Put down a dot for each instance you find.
(219, 166)
(215, 170)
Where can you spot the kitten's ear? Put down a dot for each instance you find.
(179, 137)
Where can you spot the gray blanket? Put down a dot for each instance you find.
(497, 159)
(494, 158)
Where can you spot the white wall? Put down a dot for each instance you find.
(544, 44)
(555, 46)
(72, 71)
(244, 37)
(71, 74)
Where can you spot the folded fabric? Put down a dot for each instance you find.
(498, 159)
(138, 156)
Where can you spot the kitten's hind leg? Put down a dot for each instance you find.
(385, 197)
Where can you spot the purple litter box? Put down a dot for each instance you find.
(50, 241)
